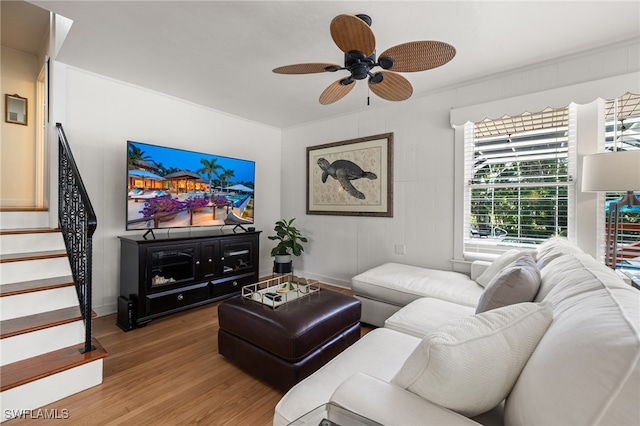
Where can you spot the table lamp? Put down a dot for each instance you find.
(617, 171)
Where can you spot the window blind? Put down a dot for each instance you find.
(518, 174)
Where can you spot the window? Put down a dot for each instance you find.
(622, 132)
(518, 174)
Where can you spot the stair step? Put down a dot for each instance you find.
(21, 218)
(28, 231)
(35, 285)
(23, 209)
(27, 270)
(30, 240)
(21, 257)
(37, 302)
(29, 370)
(28, 345)
(15, 326)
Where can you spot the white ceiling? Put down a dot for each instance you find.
(24, 26)
(220, 53)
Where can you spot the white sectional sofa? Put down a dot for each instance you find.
(387, 288)
(570, 356)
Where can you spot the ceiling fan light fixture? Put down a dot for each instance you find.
(376, 78)
(365, 18)
(359, 72)
(356, 54)
(386, 62)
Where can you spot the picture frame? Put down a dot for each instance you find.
(16, 109)
(352, 177)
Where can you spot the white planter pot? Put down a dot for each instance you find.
(283, 258)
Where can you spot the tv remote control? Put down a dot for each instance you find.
(273, 296)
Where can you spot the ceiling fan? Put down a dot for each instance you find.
(353, 35)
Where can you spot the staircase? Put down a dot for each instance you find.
(42, 333)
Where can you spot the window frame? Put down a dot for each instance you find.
(478, 248)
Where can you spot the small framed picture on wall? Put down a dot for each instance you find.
(16, 109)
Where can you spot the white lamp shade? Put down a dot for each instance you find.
(611, 172)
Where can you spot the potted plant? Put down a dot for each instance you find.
(162, 208)
(196, 203)
(289, 239)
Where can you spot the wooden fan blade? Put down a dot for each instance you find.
(351, 33)
(335, 92)
(304, 68)
(394, 87)
(419, 55)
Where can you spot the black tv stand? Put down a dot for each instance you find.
(239, 226)
(149, 231)
(162, 276)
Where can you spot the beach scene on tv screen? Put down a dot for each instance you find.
(174, 188)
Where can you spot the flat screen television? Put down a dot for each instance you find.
(174, 188)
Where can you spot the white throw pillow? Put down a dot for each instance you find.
(518, 282)
(470, 366)
(499, 264)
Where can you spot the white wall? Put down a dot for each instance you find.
(102, 114)
(424, 190)
(18, 147)
(341, 246)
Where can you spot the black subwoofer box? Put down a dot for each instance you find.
(126, 315)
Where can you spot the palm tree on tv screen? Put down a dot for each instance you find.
(225, 176)
(210, 168)
(138, 158)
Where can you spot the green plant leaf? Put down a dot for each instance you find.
(289, 238)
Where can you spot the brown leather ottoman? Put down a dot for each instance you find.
(284, 345)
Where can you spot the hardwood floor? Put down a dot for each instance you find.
(167, 373)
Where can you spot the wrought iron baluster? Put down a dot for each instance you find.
(78, 223)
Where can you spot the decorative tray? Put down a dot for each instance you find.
(282, 289)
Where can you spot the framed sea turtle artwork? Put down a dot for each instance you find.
(352, 177)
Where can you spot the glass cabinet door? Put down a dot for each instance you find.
(171, 266)
(236, 257)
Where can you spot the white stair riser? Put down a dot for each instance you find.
(13, 272)
(23, 346)
(47, 390)
(29, 243)
(37, 302)
(24, 220)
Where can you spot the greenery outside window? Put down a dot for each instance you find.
(518, 174)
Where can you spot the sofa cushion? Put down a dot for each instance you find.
(387, 404)
(586, 368)
(518, 282)
(380, 353)
(425, 315)
(400, 284)
(499, 264)
(470, 366)
(553, 248)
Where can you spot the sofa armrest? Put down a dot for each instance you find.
(390, 405)
(478, 267)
